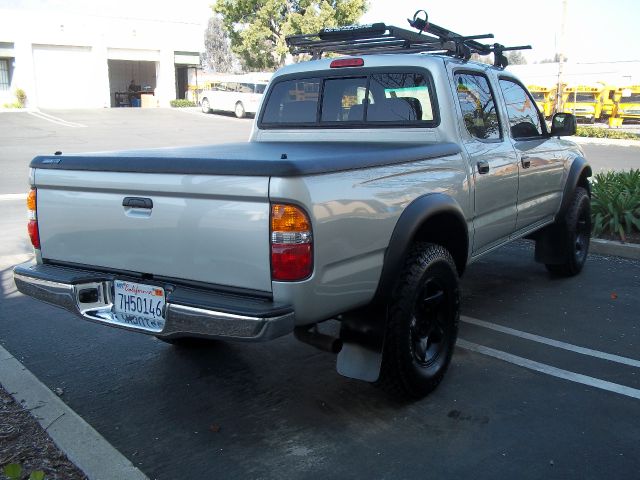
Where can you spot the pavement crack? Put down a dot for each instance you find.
(54, 421)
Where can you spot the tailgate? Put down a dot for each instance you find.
(205, 228)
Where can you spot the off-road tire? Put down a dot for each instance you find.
(573, 235)
(206, 107)
(414, 364)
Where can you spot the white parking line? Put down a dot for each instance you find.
(554, 343)
(549, 370)
(56, 120)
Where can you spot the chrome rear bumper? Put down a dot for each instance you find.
(189, 312)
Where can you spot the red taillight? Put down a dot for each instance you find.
(291, 243)
(32, 226)
(34, 235)
(291, 262)
(347, 62)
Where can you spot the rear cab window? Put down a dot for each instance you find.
(365, 100)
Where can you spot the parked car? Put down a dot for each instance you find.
(238, 94)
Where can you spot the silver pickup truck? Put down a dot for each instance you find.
(369, 183)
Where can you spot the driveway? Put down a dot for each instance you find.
(545, 382)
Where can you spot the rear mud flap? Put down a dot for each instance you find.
(362, 336)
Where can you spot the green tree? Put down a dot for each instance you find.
(217, 55)
(515, 57)
(258, 28)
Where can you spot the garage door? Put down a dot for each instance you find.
(64, 77)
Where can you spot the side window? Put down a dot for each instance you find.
(478, 106)
(245, 88)
(524, 119)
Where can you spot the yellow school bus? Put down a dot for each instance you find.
(584, 101)
(545, 98)
(628, 107)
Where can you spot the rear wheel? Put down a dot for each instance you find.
(206, 108)
(423, 323)
(573, 236)
(240, 113)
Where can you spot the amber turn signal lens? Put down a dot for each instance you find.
(288, 218)
(31, 200)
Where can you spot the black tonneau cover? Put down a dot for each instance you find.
(279, 159)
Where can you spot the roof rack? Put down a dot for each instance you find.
(382, 38)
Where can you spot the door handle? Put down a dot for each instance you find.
(137, 202)
(483, 167)
(526, 162)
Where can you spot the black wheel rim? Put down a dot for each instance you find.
(583, 233)
(429, 332)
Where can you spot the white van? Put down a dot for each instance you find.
(240, 95)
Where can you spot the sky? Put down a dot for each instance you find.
(597, 30)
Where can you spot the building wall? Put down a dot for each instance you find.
(93, 33)
(613, 73)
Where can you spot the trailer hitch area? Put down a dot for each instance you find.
(312, 336)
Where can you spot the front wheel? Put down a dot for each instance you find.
(573, 236)
(206, 108)
(240, 113)
(422, 323)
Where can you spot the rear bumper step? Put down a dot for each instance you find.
(189, 312)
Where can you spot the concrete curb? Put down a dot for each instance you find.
(604, 141)
(83, 445)
(617, 249)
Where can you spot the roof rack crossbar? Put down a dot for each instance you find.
(382, 38)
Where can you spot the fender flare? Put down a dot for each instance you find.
(362, 330)
(579, 171)
(412, 219)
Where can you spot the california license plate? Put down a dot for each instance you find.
(139, 305)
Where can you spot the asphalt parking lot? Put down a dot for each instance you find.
(545, 382)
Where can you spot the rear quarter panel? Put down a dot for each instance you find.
(353, 215)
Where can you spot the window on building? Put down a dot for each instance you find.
(5, 74)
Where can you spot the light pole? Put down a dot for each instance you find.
(561, 59)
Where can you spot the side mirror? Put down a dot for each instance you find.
(563, 125)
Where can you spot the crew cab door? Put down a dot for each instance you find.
(491, 157)
(540, 161)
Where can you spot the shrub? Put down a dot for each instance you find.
(615, 203)
(21, 96)
(596, 132)
(181, 103)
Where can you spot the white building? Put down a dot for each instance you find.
(619, 74)
(86, 54)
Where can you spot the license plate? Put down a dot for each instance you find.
(139, 305)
